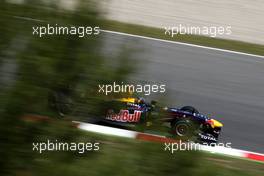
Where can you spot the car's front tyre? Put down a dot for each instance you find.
(182, 129)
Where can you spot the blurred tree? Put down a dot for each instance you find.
(59, 65)
(70, 68)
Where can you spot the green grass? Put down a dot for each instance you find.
(192, 39)
(121, 156)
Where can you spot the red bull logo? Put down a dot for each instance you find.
(124, 116)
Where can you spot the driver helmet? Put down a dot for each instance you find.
(141, 100)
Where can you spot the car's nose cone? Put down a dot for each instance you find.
(216, 123)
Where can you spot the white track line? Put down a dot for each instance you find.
(149, 137)
(181, 43)
(28, 19)
(156, 39)
(106, 130)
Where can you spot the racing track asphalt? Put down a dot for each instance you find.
(226, 86)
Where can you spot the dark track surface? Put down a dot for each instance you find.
(227, 86)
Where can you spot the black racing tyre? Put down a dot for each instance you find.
(182, 128)
(190, 109)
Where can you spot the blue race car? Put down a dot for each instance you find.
(185, 123)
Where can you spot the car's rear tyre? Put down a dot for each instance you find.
(61, 103)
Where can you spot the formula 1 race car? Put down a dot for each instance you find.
(185, 123)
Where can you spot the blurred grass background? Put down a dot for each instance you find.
(185, 38)
(34, 68)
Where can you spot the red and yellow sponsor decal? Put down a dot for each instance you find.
(124, 116)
